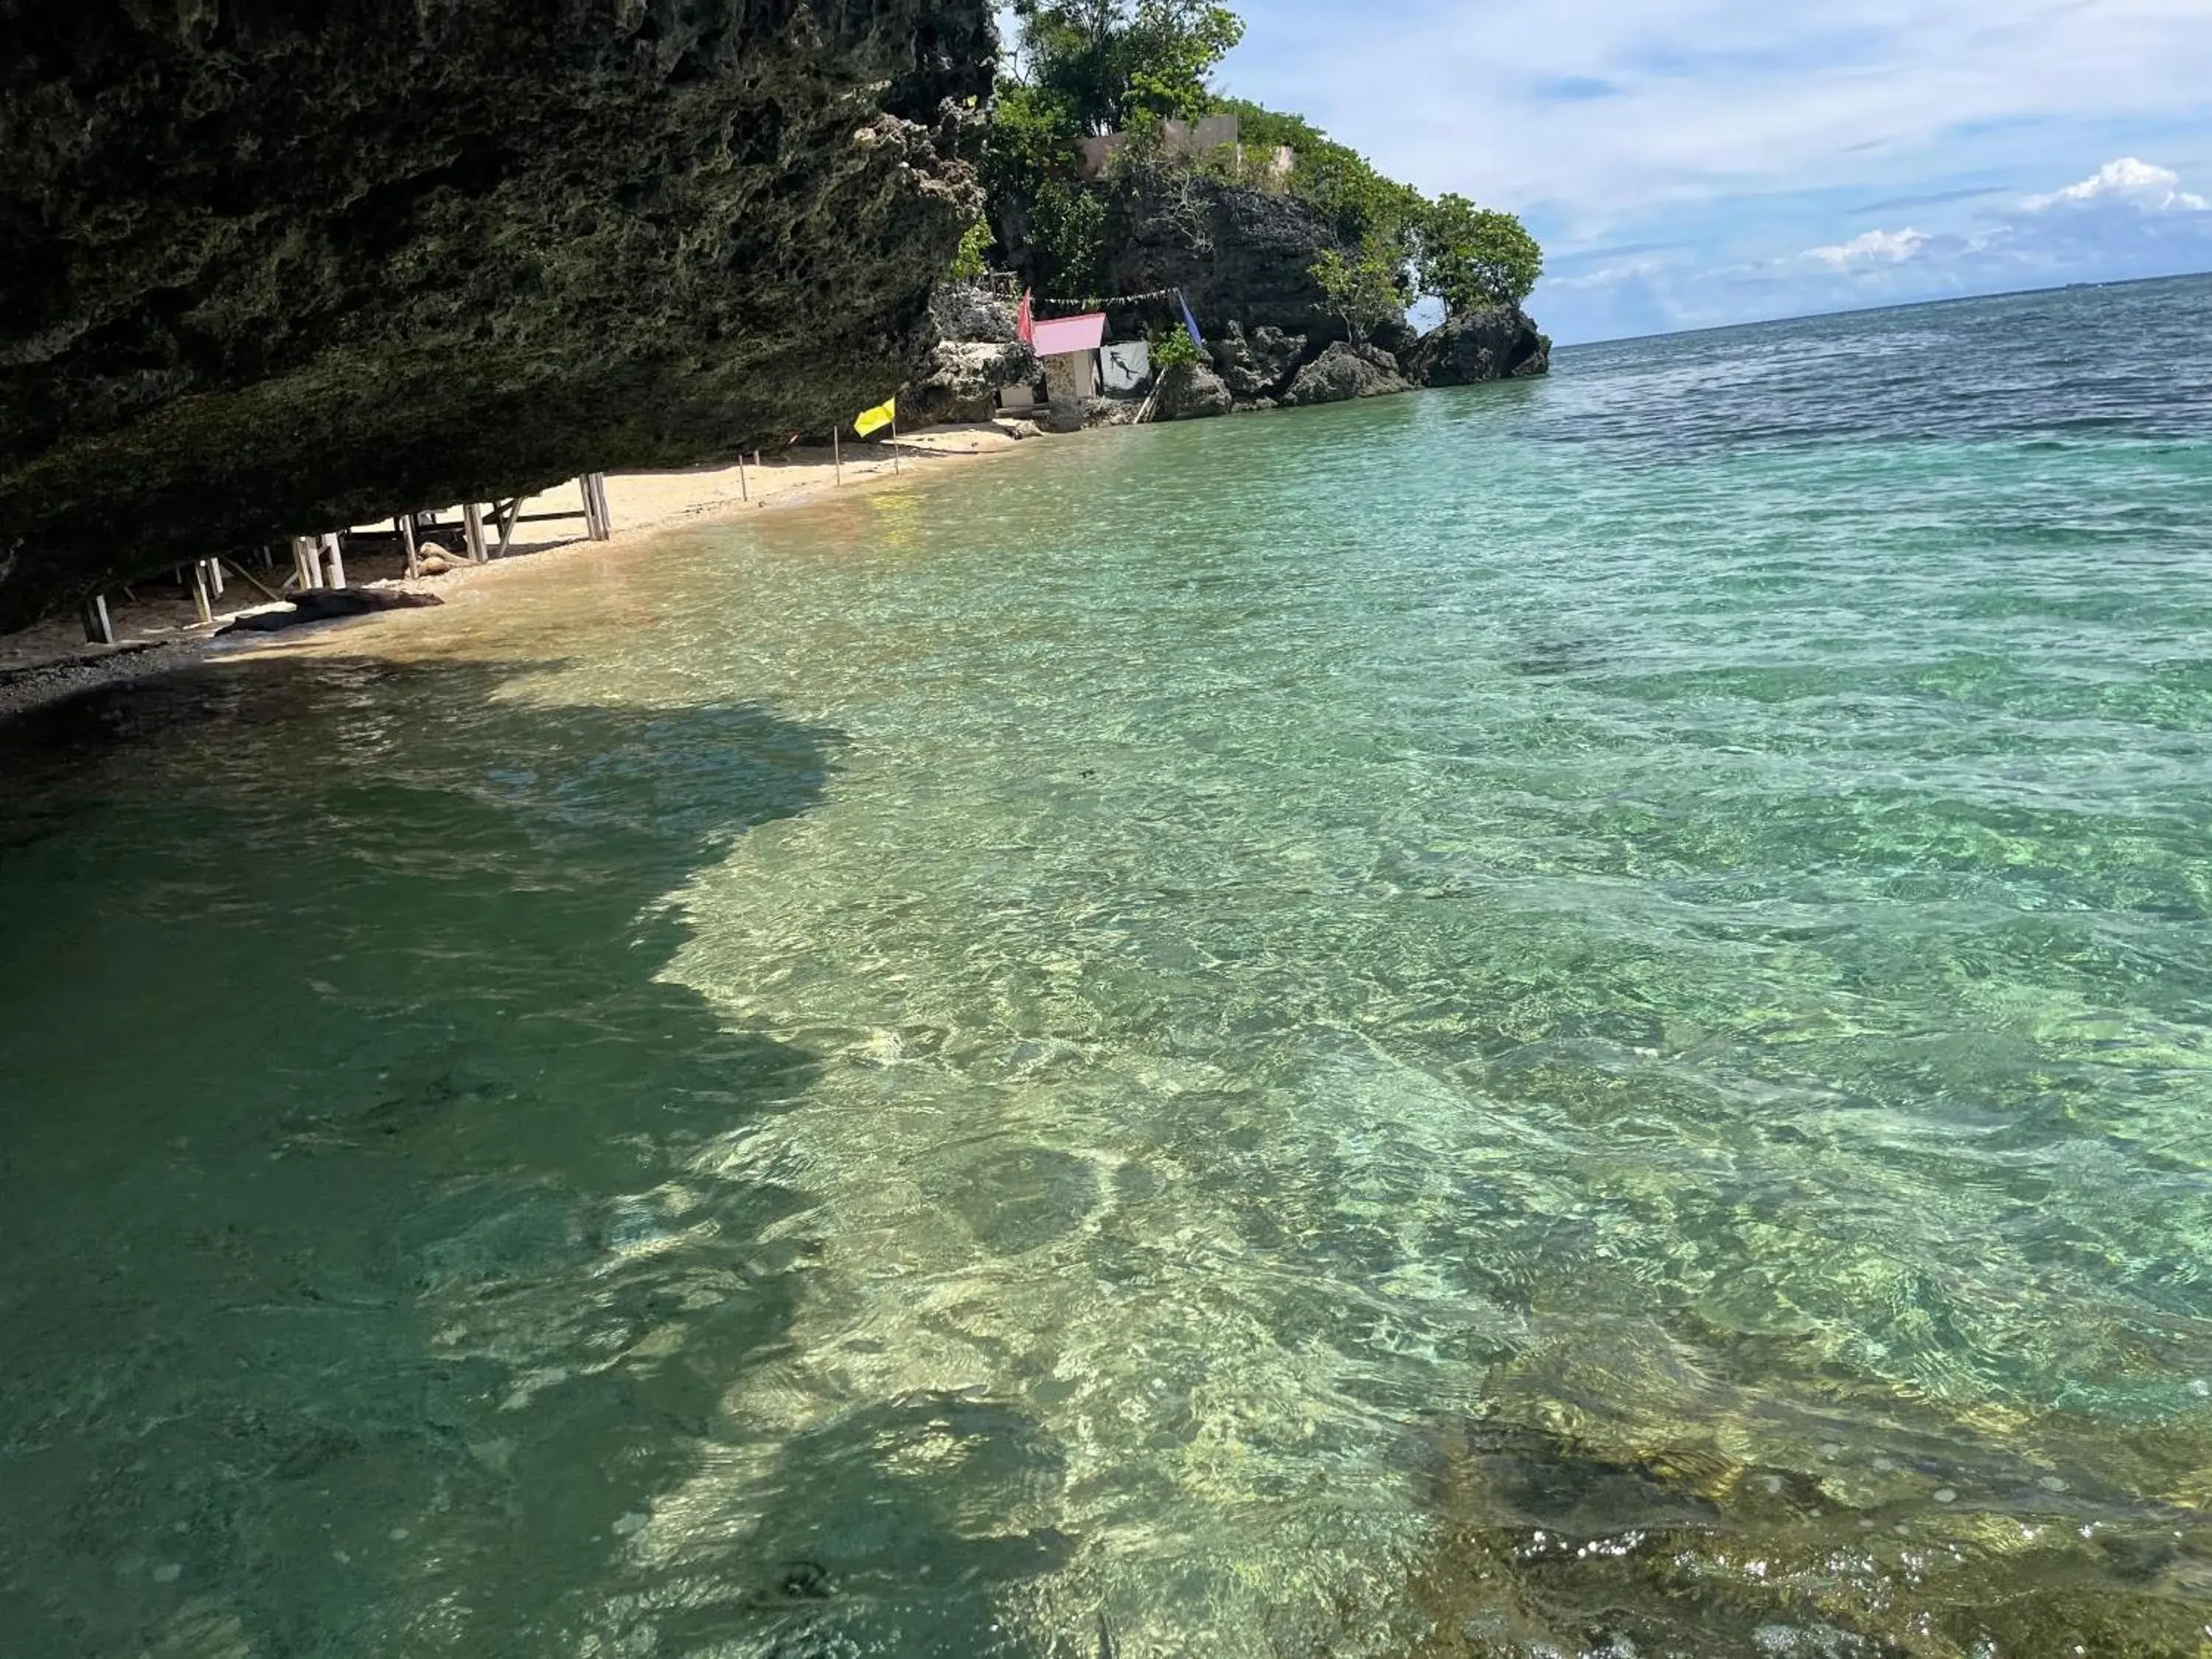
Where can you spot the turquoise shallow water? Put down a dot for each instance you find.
(1568, 1018)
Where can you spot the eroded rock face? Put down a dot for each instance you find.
(1240, 255)
(1258, 364)
(960, 380)
(1191, 392)
(1345, 372)
(273, 266)
(1497, 344)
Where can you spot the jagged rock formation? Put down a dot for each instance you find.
(1260, 364)
(1243, 258)
(976, 354)
(1343, 372)
(278, 265)
(1191, 392)
(1240, 255)
(1495, 344)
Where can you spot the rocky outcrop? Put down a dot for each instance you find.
(971, 313)
(278, 266)
(1497, 344)
(1240, 255)
(976, 355)
(1343, 372)
(1260, 364)
(960, 380)
(1190, 392)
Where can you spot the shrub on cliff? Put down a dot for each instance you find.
(1365, 286)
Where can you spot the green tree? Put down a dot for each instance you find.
(1471, 257)
(1364, 287)
(971, 260)
(1108, 63)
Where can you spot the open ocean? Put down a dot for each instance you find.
(1572, 1017)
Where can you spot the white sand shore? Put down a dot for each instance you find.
(158, 629)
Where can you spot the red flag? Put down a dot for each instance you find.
(1024, 328)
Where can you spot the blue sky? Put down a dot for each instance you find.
(1694, 162)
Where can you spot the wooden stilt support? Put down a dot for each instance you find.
(404, 523)
(506, 518)
(894, 464)
(744, 494)
(215, 576)
(599, 523)
(201, 603)
(837, 454)
(472, 525)
(305, 571)
(252, 581)
(334, 562)
(98, 630)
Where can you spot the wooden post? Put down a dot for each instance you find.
(895, 465)
(837, 454)
(251, 580)
(98, 630)
(304, 569)
(215, 576)
(200, 601)
(333, 561)
(599, 522)
(507, 517)
(404, 523)
(744, 494)
(472, 525)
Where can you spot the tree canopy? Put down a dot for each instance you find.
(1108, 63)
(1077, 68)
(1470, 257)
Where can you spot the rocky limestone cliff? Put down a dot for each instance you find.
(975, 353)
(277, 265)
(1240, 255)
(1244, 257)
(1497, 344)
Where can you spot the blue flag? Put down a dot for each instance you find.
(1188, 321)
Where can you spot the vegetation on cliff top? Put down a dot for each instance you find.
(1083, 67)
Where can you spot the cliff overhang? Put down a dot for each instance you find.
(275, 266)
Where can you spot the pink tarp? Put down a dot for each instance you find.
(1059, 334)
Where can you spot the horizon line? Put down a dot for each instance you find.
(1869, 311)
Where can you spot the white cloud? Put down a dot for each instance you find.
(1875, 247)
(2138, 183)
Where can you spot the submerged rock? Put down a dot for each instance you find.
(327, 605)
(1497, 344)
(279, 267)
(1343, 372)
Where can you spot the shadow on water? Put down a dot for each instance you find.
(361, 1286)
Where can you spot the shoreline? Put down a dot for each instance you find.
(161, 633)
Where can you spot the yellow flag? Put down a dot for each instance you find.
(882, 415)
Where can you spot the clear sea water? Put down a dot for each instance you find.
(1571, 1017)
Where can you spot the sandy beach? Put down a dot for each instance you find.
(158, 629)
